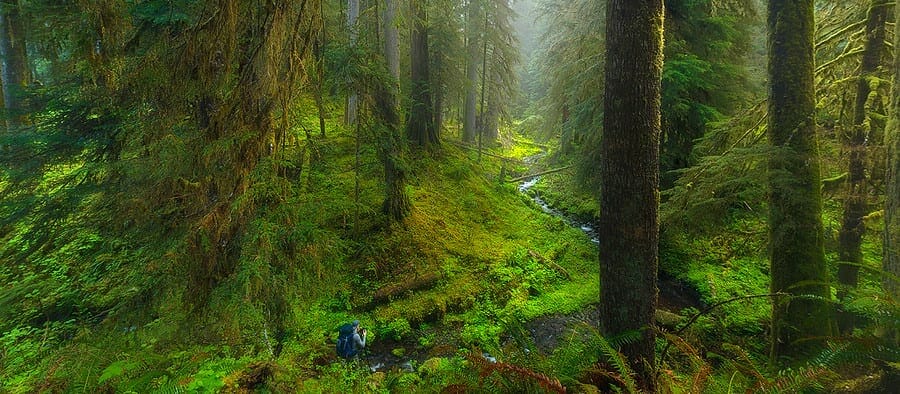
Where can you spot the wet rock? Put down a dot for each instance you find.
(407, 367)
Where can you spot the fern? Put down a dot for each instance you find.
(517, 378)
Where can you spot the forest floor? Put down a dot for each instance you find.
(482, 270)
(544, 333)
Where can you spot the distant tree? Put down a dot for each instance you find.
(796, 249)
(629, 168)
(855, 141)
(446, 44)
(473, 59)
(499, 74)
(891, 263)
(704, 76)
(420, 128)
(353, 27)
(15, 74)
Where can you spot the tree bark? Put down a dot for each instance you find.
(420, 126)
(855, 204)
(391, 38)
(396, 202)
(891, 260)
(15, 74)
(492, 116)
(469, 126)
(796, 250)
(353, 98)
(319, 89)
(629, 168)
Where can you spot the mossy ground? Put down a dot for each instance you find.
(500, 260)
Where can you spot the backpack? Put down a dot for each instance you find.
(345, 346)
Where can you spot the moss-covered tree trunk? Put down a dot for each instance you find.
(629, 167)
(396, 202)
(891, 262)
(15, 74)
(855, 203)
(420, 125)
(796, 250)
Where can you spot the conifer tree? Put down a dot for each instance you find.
(15, 73)
(473, 44)
(796, 250)
(855, 141)
(891, 262)
(396, 202)
(629, 168)
(420, 128)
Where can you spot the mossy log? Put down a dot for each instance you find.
(394, 290)
(667, 319)
(550, 263)
(525, 177)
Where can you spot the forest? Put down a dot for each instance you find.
(449, 196)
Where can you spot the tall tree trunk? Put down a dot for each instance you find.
(353, 98)
(396, 202)
(629, 168)
(492, 115)
(891, 262)
(796, 250)
(15, 74)
(438, 112)
(855, 204)
(469, 126)
(319, 89)
(481, 107)
(391, 39)
(420, 128)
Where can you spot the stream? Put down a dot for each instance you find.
(545, 332)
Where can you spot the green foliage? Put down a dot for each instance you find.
(398, 328)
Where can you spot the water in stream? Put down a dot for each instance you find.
(545, 331)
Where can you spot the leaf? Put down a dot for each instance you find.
(116, 369)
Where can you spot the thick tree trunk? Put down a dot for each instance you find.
(353, 99)
(629, 168)
(396, 202)
(15, 74)
(469, 126)
(891, 262)
(855, 204)
(420, 128)
(391, 38)
(796, 250)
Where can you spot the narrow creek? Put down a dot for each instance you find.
(545, 332)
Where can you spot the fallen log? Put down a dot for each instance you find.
(483, 152)
(550, 264)
(522, 178)
(391, 291)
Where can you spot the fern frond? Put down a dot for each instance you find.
(618, 360)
